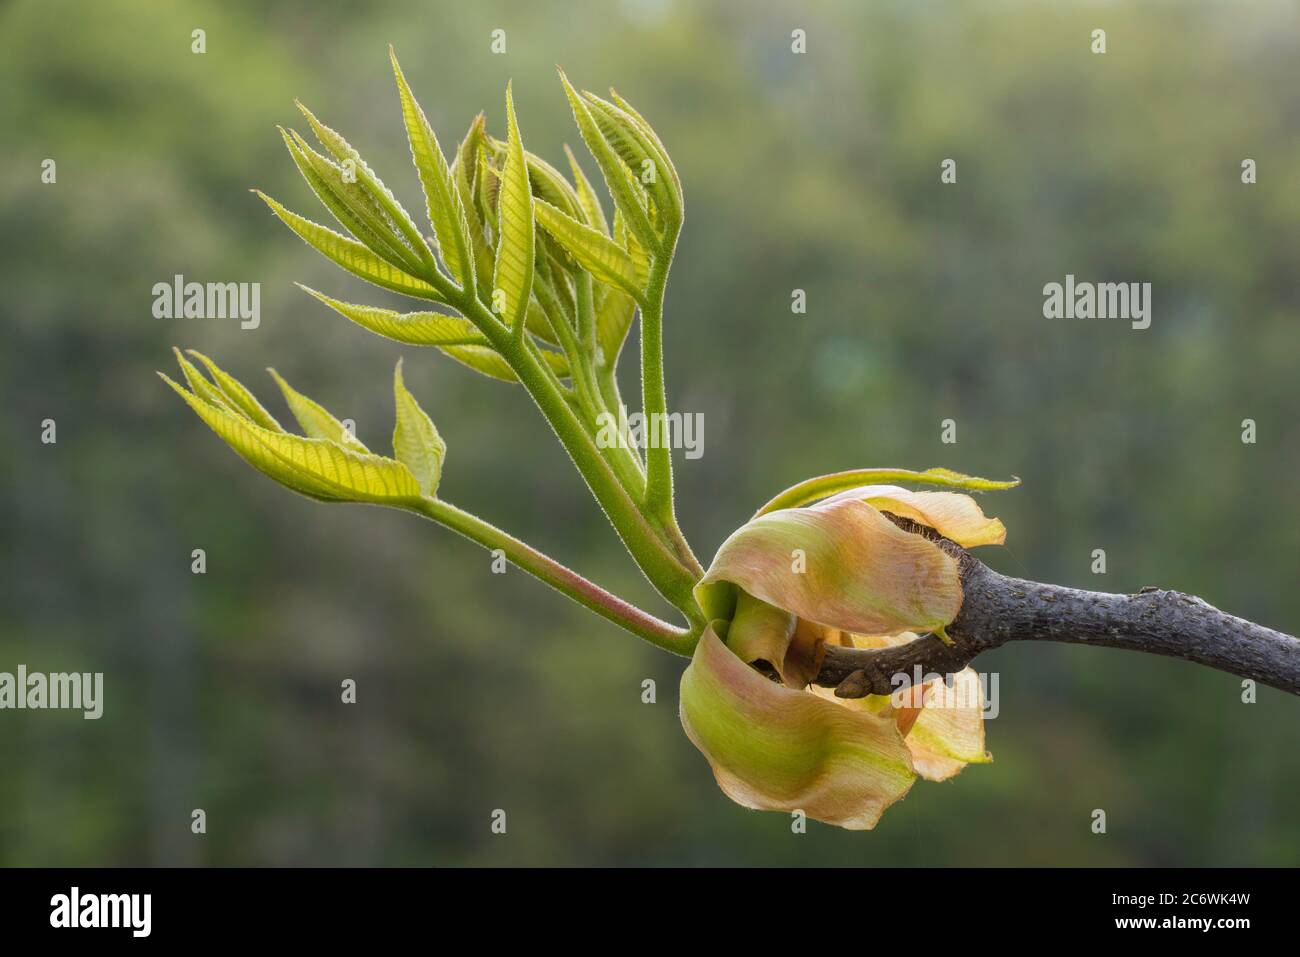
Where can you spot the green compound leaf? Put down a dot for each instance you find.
(318, 468)
(416, 442)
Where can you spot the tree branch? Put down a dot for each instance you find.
(998, 609)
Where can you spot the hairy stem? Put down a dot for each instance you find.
(607, 381)
(586, 317)
(590, 400)
(660, 563)
(654, 398)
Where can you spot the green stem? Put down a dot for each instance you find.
(561, 578)
(590, 400)
(654, 399)
(626, 458)
(661, 565)
(607, 382)
(586, 315)
(683, 548)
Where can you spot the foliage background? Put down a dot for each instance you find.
(817, 172)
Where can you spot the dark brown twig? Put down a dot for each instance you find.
(998, 609)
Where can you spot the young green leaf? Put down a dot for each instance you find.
(352, 255)
(539, 323)
(614, 314)
(412, 328)
(513, 279)
(464, 173)
(489, 188)
(317, 468)
(643, 155)
(443, 200)
(587, 199)
(488, 361)
(548, 183)
(416, 442)
(314, 418)
(240, 398)
(382, 199)
(618, 179)
(640, 258)
(594, 252)
(349, 203)
(199, 385)
(648, 130)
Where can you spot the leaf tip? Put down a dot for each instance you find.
(510, 102)
(311, 292)
(181, 360)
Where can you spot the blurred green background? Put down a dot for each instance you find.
(817, 171)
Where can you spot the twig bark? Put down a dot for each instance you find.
(998, 609)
